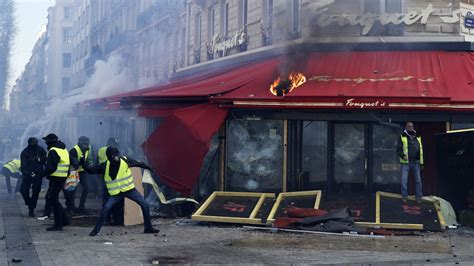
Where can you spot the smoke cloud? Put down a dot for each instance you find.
(110, 77)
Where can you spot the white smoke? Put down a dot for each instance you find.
(110, 77)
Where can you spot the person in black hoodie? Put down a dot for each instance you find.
(33, 158)
(57, 171)
(120, 184)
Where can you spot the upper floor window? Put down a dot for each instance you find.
(295, 18)
(197, 30)
(67, 60)
(267, 25)
(243, 14)
(225, 18)
(68, 12)
(212, 22)
(384, 6)
(67, 35)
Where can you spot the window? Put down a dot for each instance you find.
(67, 12)
(295, 17)
(243, 14)
(268, 22)
(67, 35)
(384, 6)
(66, 84)
(66, 60)
(212, 23)
(197, 30)
(225, 16)
(254, 155)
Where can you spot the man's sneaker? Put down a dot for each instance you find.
(54, 228)
(151, 231)
(404, 200)
(43, 218)
(31, 213)
(94, 233)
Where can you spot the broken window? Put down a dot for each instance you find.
(254, 155)
(385, 164)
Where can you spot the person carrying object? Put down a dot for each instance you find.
(79, 155)
(56, 170)
(120, 184)
(33, 158)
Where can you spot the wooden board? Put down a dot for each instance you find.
(233, 207)
(301, 199)
(132, 211)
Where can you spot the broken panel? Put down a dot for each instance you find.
(254, 155)
(301, 199)
(234, 207)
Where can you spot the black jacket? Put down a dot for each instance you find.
(52, 160)
(413, 147)
(32, 161)
(114, 167)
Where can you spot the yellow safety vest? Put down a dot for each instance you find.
(13, 166)
(64, 163)
(80, 154)
(101, 154)
(123, 182)
(405, 149)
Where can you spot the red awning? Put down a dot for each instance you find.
(370, 80)
(178, 147)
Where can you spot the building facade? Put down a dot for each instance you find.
(192, 44)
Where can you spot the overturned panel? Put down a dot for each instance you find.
(391, 211)
(301, 199)
(235, 207)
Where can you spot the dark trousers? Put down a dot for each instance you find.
(33, 184)
(60, 217)
(9, 175)
(113, 200)
(71, 195)
(115, 216)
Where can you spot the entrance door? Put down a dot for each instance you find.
(349, 158)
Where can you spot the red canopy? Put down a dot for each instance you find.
(352, 79)
(178, 147)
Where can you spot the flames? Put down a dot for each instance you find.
(281, 88)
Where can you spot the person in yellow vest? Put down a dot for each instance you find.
(80, 155)
(120, 184)
(410, 152)
(57, 171)
(115, 216)
(11, 169)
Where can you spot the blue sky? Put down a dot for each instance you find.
(30, 16)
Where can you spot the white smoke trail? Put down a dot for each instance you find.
(110, 77)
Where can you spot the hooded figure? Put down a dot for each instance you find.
(57, 170)
(33, 158)
(120, 184)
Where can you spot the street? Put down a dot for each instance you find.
(182, 241)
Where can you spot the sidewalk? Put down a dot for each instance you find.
(183, 241)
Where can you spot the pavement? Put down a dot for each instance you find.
(182, 241)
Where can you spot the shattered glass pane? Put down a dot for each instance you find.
(349, 157)
(254, 155)
(386, 165)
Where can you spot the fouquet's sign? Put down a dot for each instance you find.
(354, 103)
(367, 20)
(218, 45)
